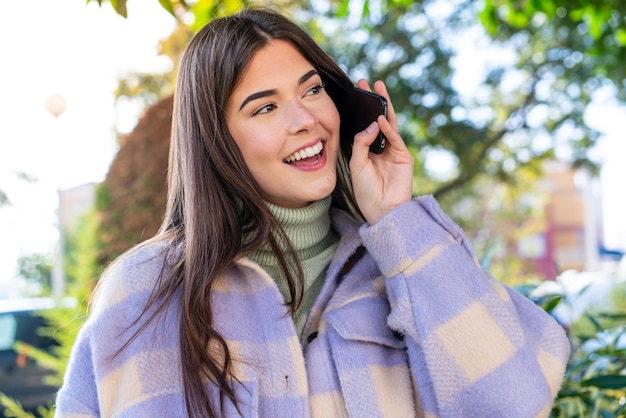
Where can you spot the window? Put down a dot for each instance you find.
(8, 327)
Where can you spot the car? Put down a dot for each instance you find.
(21, 378)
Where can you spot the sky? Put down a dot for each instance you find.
(79, 51)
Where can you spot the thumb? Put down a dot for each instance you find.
(363, 140)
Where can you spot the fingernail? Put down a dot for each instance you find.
(372, 127)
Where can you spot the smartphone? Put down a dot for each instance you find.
(357, 110)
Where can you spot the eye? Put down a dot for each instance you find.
(266, 108)
(315, 90)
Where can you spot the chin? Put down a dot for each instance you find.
(324, 193)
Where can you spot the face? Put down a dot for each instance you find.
(286, 126)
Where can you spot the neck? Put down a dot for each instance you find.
(310, 233)
(307, 228)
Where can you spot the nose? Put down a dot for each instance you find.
(301, 119)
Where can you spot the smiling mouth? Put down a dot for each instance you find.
(309, 153)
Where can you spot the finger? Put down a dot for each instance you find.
(362, 142)
(363, 85)
(391, 133)
(381, 89)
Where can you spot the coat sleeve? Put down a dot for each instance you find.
(123, 364)
(78, 395)
(476, 347)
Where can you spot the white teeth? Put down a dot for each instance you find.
(305, 153)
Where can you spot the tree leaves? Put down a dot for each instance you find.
(522, 111)
(118, 5)
(167, 5)
(602, 18)
(608, 381)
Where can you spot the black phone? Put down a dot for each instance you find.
(357, 110)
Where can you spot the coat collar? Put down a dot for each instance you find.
(356, 303)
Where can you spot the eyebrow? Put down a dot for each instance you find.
(266, 93)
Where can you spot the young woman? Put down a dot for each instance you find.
(287, 281)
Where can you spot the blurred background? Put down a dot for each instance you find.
(514, 111)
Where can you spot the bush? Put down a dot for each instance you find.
(595, 378)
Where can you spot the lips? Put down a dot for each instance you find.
(312, 152)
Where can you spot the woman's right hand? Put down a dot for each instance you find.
(384, 181)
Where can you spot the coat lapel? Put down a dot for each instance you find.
(369, 357)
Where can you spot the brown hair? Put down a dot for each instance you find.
(215, 209)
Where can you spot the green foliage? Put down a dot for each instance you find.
(118, 5)
(200, 11)
(603, 19)
(148, 89)
(590, 34)
(130, 203)
(205, 10)
(4, 199)
(496, 216)
(29, 178)
(13, 409)
(64, 322)
(412, 48)
(37, 269)
(82, 266)
(595, 378)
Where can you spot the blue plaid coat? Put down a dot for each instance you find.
(414, 328)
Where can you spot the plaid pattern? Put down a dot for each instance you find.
(416, 328)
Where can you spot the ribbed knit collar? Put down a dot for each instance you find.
(308, 228)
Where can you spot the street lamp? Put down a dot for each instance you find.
(55, 104)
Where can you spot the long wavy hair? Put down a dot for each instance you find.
(215, 209)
